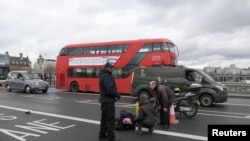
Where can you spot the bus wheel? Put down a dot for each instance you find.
(143, 92)
(74, 87)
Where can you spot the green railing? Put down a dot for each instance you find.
(233, 87)
(237, 87)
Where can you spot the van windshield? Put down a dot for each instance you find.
(31, 76)
(205, 76)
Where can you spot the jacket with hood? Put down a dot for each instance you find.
(108, 90)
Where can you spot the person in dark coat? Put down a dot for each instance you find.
(164, 96)
(108, 96)
(146, 116)
(125, 121)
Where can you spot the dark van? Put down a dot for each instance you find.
(179, 77)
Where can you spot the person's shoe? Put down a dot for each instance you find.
(165, 127)
(115, 139)
(159, 123)
(102, 138)
(139, 131)
(150, 130)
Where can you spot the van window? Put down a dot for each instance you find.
(197, 77)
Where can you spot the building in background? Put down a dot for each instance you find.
(19, 62)
(45, 68)
(228, 74)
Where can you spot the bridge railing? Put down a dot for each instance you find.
(236, 87)
(233, 87)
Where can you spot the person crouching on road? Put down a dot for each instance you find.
(146, 117)
(164, 96)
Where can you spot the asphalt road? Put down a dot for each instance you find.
(65, 116)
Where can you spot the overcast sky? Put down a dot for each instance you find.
(207, 32)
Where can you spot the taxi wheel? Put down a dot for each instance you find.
(8, 88)
(27, 89)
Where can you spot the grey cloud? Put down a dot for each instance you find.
(204, 31)
(198, 17)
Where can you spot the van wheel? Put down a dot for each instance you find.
(28, 90)
(74, 87)
(206, 100)
(144, 93)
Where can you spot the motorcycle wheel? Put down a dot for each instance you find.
(193, 112)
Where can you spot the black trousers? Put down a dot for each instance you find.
(165, 116)
(107, 127)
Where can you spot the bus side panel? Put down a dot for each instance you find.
(159, 58)
(124, 85)
(62, 72)
(89, 84)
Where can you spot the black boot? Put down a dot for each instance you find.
(139, 131)
(150, 130)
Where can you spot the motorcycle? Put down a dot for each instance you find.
(184, 103)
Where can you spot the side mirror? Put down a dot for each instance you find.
(195, 87)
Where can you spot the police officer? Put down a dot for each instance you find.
(108, 96)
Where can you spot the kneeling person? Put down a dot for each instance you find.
(146, 116)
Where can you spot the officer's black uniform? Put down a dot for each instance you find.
(108, 96)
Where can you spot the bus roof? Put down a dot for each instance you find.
(149, 40)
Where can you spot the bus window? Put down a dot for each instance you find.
(92, 50)
(86, 51)
(117, 72)
(115, 49)
(64, 51)
(146, 48)
(165, 47)
(157, 47)
(173, 48)
(75, 51)
(90, 72)
(101, 50)
(98, 71)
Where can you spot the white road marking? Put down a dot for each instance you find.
(183, 135)
(41, 97)
(200, 112)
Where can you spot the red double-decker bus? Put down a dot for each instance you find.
(78, 65)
